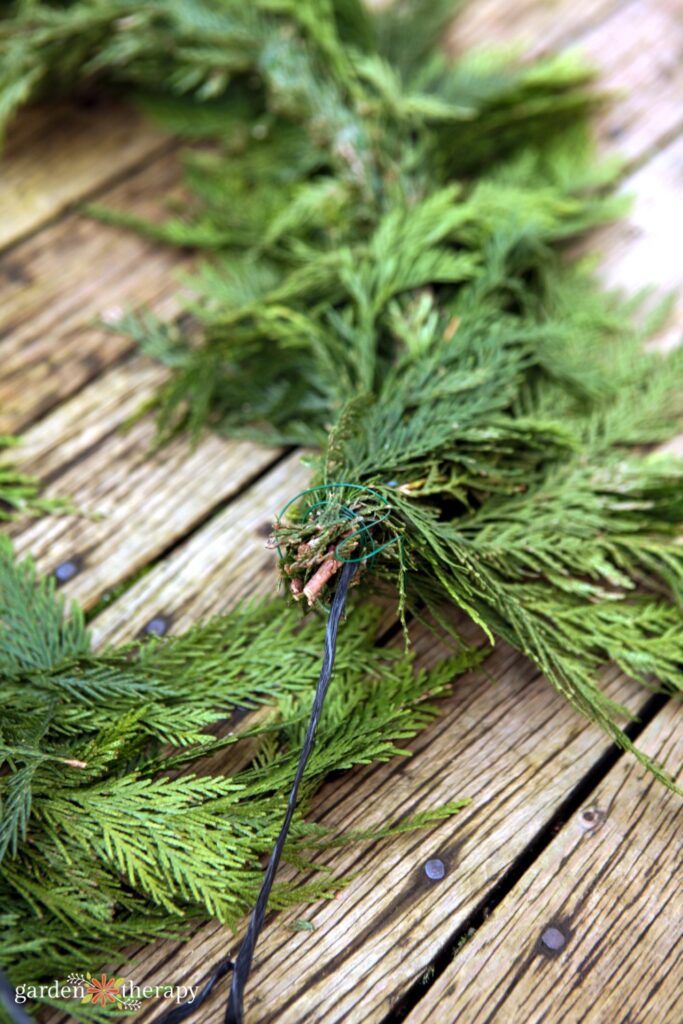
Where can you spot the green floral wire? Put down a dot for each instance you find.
(348, 514)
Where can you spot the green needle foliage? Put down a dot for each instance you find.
(20, 493)
(110, 833)
(387, 279)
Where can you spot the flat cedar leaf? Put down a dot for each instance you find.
(20, 492)
(102, 846)
(384, 280)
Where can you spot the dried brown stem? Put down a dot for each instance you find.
(319, 578)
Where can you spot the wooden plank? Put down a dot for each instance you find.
(224, 562)
(57, 155)
(534, 26)
(514, 797)
(643, 70)
(592, 931)
(139, 502)
(508, 741)
(55, 285)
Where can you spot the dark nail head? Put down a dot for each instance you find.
(553, 940)
(591, 818)
(158, 626)
(435, 869)
(66, 571)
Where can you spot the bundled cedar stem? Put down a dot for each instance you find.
(385, 282)
(113, 833)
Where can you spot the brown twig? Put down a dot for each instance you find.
(319, 578)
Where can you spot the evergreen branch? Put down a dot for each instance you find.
(20, 493)
(383, 278)
(398, 298)
(105, 842)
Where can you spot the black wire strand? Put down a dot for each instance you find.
(241, 968)
(180, 1013)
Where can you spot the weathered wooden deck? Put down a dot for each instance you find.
(562, 833)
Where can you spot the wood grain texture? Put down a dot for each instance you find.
(638, 54)
(54, 286)
(58, 154)
(534, 26)
(140, 502)
(220, 564)
(610, 884)
(504, 738)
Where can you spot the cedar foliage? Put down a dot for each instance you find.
(20, 492)
(386, 278)
(110, 834)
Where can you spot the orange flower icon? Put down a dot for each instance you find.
(103, 991)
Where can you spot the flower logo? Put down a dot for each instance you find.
(103, 990)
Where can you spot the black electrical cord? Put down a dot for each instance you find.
(241, 967)
(8, 1001)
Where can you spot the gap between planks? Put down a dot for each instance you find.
(641, 280)
(593, 885)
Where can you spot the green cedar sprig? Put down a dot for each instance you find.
(386, 280)
(20, 493)
(114, 829)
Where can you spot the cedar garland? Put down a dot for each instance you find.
(384, 278)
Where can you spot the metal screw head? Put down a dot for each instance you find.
(552, 940)
(435, 869)
(158, 626)
(66, 570)
(591, 818)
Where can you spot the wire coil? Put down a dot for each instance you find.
(346, 514)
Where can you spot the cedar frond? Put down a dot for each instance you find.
(109, 832)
